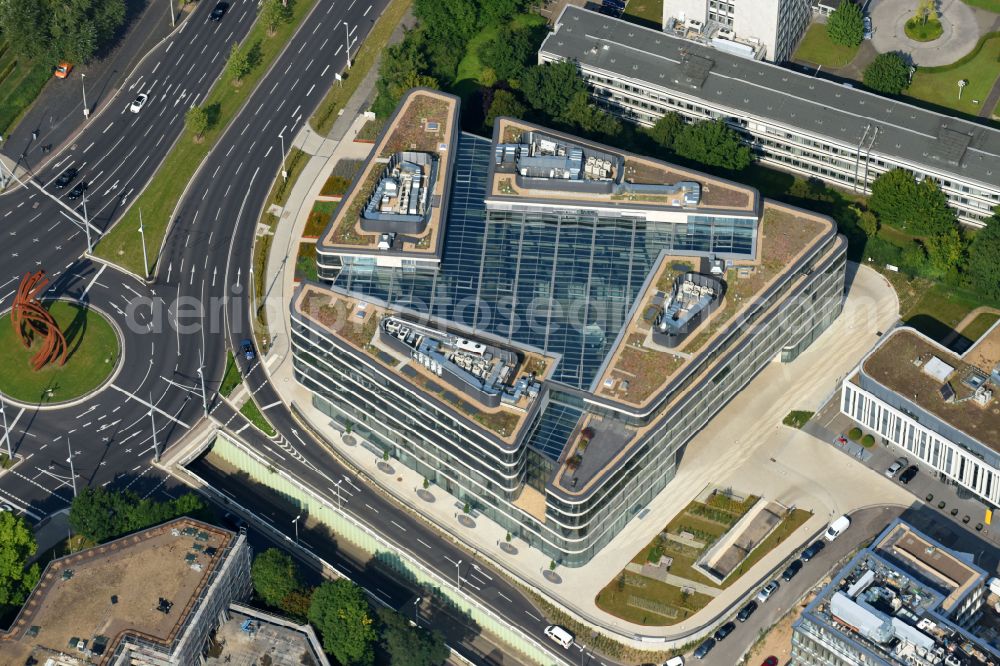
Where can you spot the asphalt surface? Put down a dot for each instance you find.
(170, 346)
(57, 113)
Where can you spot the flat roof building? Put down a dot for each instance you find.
(150, 598)
(746, 28)
(793, 121)
(941, 407)
(591, 311)
(906, 599)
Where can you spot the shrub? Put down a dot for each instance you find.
(854, 434)
(867, 441)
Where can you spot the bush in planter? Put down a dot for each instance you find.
(552, 565)
(574, 462)
(467, 508)
(867, 441)
(508, 537)
(854, 434)
(385, 455)
(427, 484)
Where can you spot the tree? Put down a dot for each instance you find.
(888, 73)
(868, 223)
(509, 54)
(714, 143)
(196, 119)
(984, 258)
(340, 612)
(26, 27)
(100, 514)
(920, 209)
(238, 64)
(946, 252)
(500, 12)
(17, 545)
(410, 646)
(56, 30)
(846, 24)
(452, 21)
(488, 77)
(275, 12)
(666, 130)
(550, 88)
(403, 67)
(275, 576)
(588, 118)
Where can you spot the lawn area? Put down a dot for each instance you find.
(470, 68)
(939, 85)
(648, 13)
(20, 82)
(934, 309)
(319, 217)
(988, 5)
(232, 378)
(254, 415)
(979, 325)
(93, 353)
(158, 200)
(923, 32)
(295, 162)
(326, 113)
(797, 419)
(817, 48)
(305, 263)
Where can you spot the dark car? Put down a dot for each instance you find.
(770, 661)
(812, 551)
(704, 648)
(747, 611)
(77, 191)
(219, 11)
(908, 474)
(65, 178)
(246, 348)
(724, 630)
(793, 568)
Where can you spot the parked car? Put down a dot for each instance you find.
(674, 661)
(704, 648)
(908, 474)
(867, 22)
(218, 11)
(897, 464)
(65, 178)
(746, 611)
(62, 70)
(793, 568)
(813, 550)
(559, 635)
(138, 103)
(770, 661)
(723, 631)
(768, 591)
(77, 191)
(837, 528)
(246, 348)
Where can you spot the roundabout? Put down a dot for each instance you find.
(93, 354)
(938, 41)
(923, 31)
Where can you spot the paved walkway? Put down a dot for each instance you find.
(971, 317)
(963, 26)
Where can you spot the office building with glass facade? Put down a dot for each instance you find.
(793, 121)
(591, 312)
(940, 408)
(904, 600)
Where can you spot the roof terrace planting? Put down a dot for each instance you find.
(397, 203)
(536, 163)
(956, 389)
(492, 384)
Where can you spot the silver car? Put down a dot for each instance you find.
(897, 464)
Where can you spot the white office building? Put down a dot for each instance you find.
(806, 125)
(774, 25)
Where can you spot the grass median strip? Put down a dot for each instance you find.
(121, 245)
(231, 379)
(256, 417)
(322, 121)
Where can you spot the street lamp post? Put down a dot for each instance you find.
(458, 574)
(72, 472)
(296, 524)
(347, 43)
(961, 86)
(337, 486)
(83, 86)
(416, 609)
(173, 21)
(145, 257)
(284, 172)
(86, 224)
(152, 423)
(6, 431)
(204, 394)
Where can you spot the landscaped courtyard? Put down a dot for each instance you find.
(980, 69)
(817, 48)
(665, 583)
(93, 354)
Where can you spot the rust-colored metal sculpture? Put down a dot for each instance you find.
(31, 319)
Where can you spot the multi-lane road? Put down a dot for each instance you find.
(177, 327)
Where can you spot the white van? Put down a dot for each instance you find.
(559, 635)
(837, 528)
(674, 661)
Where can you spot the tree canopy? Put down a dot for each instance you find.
(666, 130)
(17, 545)
(275, 576)
(509, 54)
(340, 612)
(888, 73)
(72, 30)
(504, 103)
(714, 143)
(984, 258)
(845, 25)
(550, 88)
(403, 67)
(920, 209)
(275, 12)
(410, 646)
(100, 514)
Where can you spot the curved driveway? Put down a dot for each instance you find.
(959, 21)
